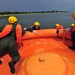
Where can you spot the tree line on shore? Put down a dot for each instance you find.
(18, 12)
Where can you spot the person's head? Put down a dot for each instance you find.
(57, 25)
(12, 19)
(72, 25)
(73, 15)
(36, 24)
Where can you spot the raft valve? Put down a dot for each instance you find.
(41, 60)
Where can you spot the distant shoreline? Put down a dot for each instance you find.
(7, 14)
(33, 12)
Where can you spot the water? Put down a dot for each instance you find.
(47, 20)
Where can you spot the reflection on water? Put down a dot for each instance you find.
(46, 20)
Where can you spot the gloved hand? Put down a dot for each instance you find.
(35, 31)
(25, 28)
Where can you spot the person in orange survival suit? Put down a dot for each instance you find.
(58, 26)
(73, 33)
(72, 25)
(73, 37)
(10, 41)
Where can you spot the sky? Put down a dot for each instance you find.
(37, 5)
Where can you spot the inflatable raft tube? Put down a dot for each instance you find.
(43, 33)
(42, 56)
(66, 36)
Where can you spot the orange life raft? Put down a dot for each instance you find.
(42, 54)
(43, 33)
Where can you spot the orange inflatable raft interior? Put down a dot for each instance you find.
(44, 53)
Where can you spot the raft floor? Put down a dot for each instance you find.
(31, 48)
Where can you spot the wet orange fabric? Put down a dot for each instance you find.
(44, 63)
(18, 35)
(43, 33)
(37, 53)
(8, 28)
